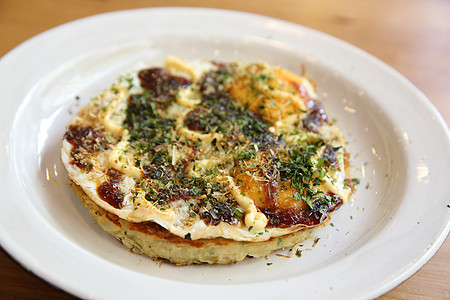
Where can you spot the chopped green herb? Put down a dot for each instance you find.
(238, 213)
(355, 181)
(144, 186)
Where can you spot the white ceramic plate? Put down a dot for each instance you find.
(400, 146)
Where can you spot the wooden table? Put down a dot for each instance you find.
(413, 36)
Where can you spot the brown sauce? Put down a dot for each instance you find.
(287, 217)
(195, 119)
(316, 116)
(85, 141)
(109, 191)
(161, 83)
(220, 211)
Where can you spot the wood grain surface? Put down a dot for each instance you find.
(413, 36)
